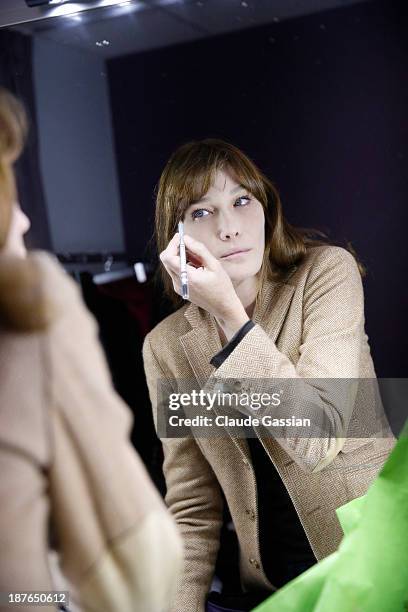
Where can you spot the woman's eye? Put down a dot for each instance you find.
(200, 213)
(243, 200)
(197, 214)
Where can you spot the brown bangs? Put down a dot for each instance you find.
(191, 171)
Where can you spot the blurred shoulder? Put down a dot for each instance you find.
(55, 282)
(36, 293)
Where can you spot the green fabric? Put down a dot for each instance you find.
(369, 571)
(350, 514)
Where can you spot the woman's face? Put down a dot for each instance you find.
(228, 218)
(20, 224)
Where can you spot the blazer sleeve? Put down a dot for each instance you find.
(331, 347)
(66, 461)
(194, 499)
(119, 546)
(24, 462)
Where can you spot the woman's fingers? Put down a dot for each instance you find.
(170, 257)
(175, 277)
(173, 246)
(198, 255)
(200, 251)
(172, 263)
(172, 249)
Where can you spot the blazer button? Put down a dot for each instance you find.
(254, 562)
(218, 386)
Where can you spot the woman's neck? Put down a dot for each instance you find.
(246, 290)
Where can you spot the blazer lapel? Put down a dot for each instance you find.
(202, 342)
(273, 307)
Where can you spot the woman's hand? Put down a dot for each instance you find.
(210, 287)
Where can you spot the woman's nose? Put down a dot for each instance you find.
(228, 234)
(25, 222)
(228, 228)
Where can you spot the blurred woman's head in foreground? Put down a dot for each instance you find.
(24, 305)
(13, 128)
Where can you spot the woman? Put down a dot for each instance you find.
(267, 302)
(69, 476)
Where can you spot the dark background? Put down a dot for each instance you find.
(320, 104)
(318, 101)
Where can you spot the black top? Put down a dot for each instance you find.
(221, 356)
(282, 539)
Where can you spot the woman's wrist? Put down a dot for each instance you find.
(231, 321)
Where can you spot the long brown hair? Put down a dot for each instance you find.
(23, 304)
(189, 174)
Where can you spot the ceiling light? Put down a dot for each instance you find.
(32, 3)
(102, 3)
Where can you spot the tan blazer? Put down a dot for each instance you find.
(67, 467)
(311, 325)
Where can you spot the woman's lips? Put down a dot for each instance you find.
(236, 254)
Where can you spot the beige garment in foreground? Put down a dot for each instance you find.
(66, 462)
(311, 325)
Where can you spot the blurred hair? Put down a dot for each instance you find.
(13, 130)
(186, 178)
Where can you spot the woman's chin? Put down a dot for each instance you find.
(241, 273)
